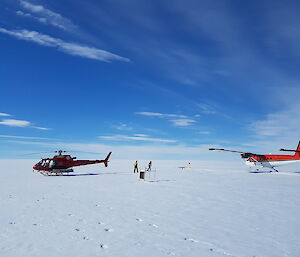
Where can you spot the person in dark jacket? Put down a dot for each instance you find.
(149, 166)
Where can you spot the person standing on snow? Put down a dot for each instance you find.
(135, 167)
(149, 166)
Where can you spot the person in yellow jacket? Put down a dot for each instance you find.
(135, 167)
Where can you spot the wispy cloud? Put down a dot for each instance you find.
(203, 132)
(278, 124)
(161, 115)
(20, 123)
(123, 126)
(46, 16)
(23, 137)
(281, 128)
(40, 128)
(283, 122)
(183, 122)
(177, 120)
(15, 123)
(206, 109)
(136, 137)
(4, 114)
(66, 47)
(28, 15)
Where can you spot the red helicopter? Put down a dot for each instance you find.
(264, 160)
(60, 164)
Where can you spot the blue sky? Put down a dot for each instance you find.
(149, 79)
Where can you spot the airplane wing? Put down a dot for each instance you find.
(243, 154)
(286, 150)
(225, 150)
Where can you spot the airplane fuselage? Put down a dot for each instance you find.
(271, 160)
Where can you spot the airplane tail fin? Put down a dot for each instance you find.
(106, 159)
(297, 153)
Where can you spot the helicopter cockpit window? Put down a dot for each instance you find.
(51, 164)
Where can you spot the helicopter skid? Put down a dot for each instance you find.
(56, 172)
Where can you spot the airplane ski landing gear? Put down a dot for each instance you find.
(274, 169)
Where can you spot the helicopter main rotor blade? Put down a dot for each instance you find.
(85, 152)
(37, 153)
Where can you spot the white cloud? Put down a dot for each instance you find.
(281, 128)
(141, 135)
(20, 123)
(136, 137)
(28, 15)
(23, 137)
(183, 122)
(15, 123)
(66, 47)
(40, 128)
(4, 114)
(177, 120)
(160, 115)
(279, 124)
(46, 16)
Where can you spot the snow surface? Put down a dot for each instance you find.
(214, 209)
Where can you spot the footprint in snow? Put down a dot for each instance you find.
(100, 223)
(85, 238)
(139, 220)
(191, 240)
(108, 230)
(153, 225)
(70, 214)
(12, 223)
(103, 246)
(171, 253)
(77, 229)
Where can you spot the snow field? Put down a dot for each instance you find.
(214, 209)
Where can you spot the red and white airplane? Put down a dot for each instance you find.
(266, 160)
